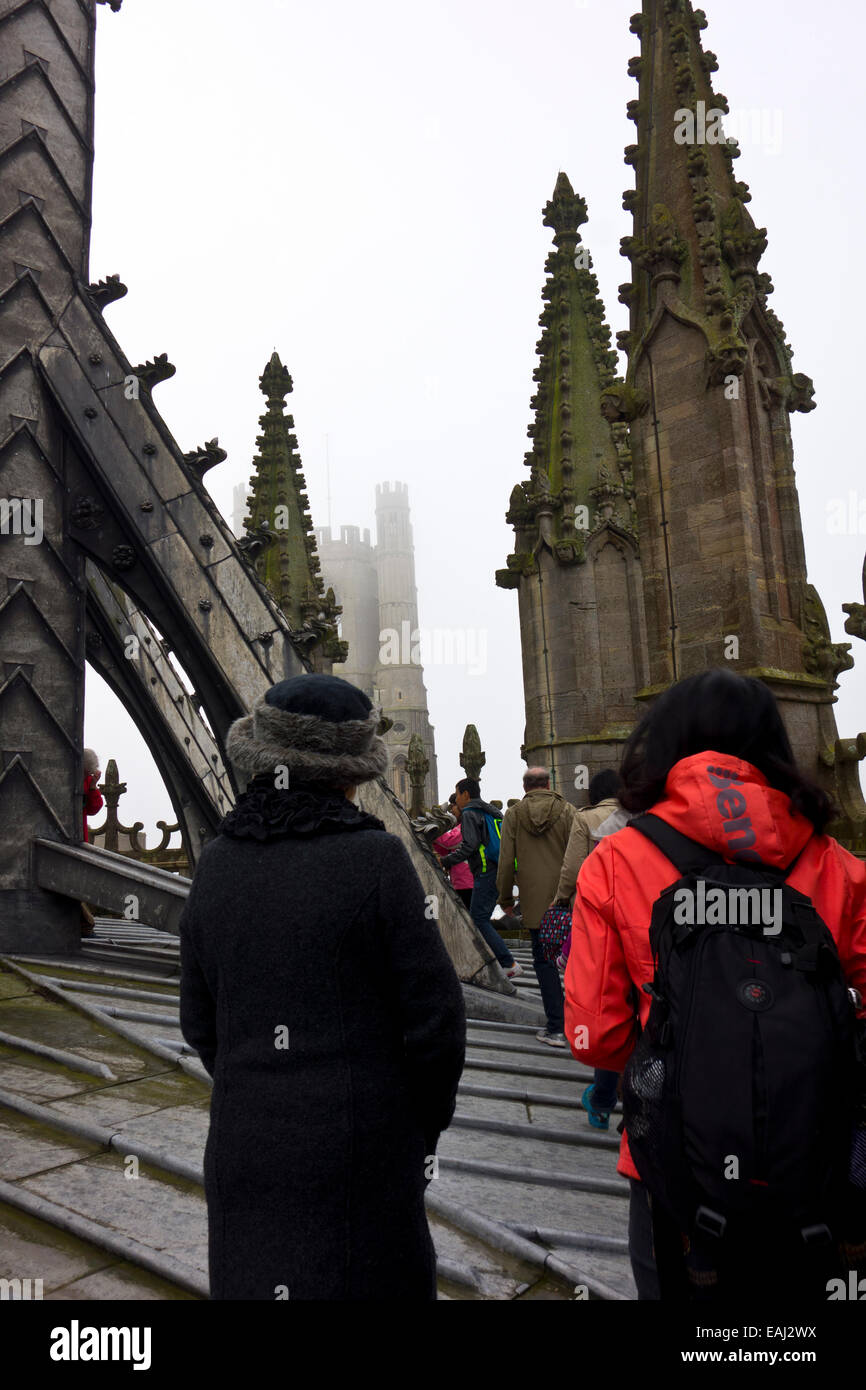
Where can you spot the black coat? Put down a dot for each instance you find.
(305, 915)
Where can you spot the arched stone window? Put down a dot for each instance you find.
(400, 779)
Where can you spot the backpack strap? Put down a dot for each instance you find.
(690, 856)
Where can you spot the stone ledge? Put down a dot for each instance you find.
(498, 1008)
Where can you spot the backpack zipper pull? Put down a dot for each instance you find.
(664, 1010)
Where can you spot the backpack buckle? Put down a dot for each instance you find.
(710, 1222)
(817, 1235)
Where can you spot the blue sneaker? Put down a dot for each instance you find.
(599, 1119)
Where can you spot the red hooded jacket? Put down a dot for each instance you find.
(93, 800)
(727, 805)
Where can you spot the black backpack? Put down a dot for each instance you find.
(744, 1091)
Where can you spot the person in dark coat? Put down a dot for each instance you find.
(319, 995)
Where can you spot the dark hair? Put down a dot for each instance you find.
(469, 784)
(721, 712)
(452, 798)
(604, 785)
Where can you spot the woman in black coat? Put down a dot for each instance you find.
(317, 991)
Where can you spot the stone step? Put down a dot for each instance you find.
(110, 991)
(517, 1151)
(486, 1043)
(68, 968)
(47, 1168)
(63, 1266)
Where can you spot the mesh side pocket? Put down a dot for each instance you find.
(643, 1094)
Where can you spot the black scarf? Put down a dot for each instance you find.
(265, 812)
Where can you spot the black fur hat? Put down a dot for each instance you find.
(322, 728)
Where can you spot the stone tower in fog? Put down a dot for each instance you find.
(375, 586)
(400, 684)
(349, 566)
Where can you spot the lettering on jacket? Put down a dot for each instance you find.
(732, 807)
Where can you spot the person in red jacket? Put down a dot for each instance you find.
(716, 719)
(93, 800)
(93, 803)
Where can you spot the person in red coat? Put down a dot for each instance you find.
(93, 799)
(93, 803)
(460, 875)
(716, 720)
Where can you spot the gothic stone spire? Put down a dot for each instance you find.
(694, 242)
(575, 564)
(575, 461)
(708, 394)
(280, 538)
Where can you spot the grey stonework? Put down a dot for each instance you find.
(46, 135)
(708, 398)
(82, 436)
(580, 682)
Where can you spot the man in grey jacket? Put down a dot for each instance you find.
(481, 826)
(604, 816)
(535, 834)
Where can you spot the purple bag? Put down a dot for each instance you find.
(552, 931)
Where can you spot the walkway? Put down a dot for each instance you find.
(104, 1115)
